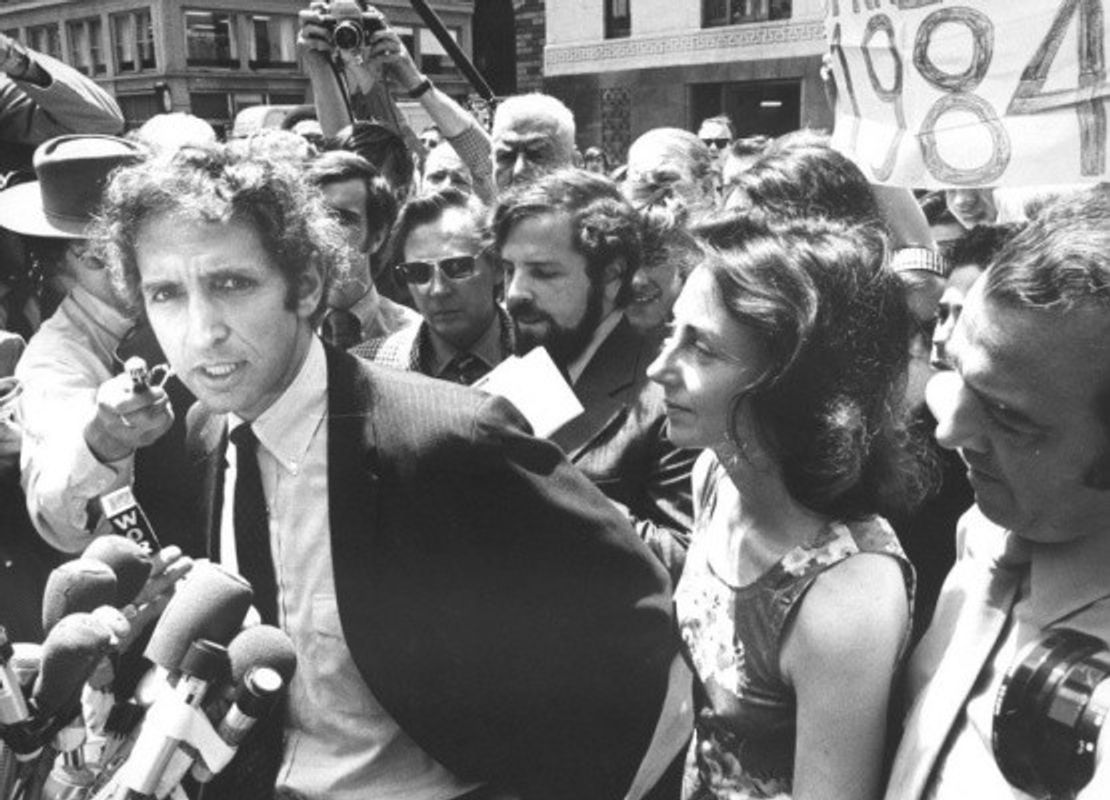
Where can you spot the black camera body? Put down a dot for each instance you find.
(1049, 712)
(351, 25)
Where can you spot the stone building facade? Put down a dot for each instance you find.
(625, 66)
(214, 57)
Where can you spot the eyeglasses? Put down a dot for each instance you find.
(720, 144)
(456, 268)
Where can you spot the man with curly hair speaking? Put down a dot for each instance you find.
(472, 617)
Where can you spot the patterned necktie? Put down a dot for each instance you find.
(464, 368)
(252, 525)
(340, 328)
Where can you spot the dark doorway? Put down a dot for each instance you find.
(494, 27)
(771, 108)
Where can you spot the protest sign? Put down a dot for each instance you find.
(932, 93)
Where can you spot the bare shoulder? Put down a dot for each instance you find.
(857, 608)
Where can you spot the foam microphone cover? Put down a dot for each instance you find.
(128, 559)
(209, 603)
(262, 646)
(77, 586)
(70, 654)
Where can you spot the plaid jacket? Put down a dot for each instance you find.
(410, 348)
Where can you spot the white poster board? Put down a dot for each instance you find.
(974, 93)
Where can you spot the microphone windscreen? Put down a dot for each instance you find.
(262, 646)
(70, 654)
(77, 586)
(128, 559)
(115, 621)
(209, 603)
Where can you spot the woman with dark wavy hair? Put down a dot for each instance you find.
(786, 362)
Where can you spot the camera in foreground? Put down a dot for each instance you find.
(1049, 713)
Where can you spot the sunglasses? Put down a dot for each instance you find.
(720, 144)
(456, 268)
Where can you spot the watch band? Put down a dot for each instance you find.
(421, 89)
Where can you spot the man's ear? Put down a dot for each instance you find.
(612, 281)
(374, 243)
(310, 291)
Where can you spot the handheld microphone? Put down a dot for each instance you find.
(262, 646)
(69, 655)
(128, 559)
(70, 778)
(170, 721)
(258, 694)
(209, 603)
(128, 518)
(76, 586)
(13, 705)
(262, 661)
(23, 664)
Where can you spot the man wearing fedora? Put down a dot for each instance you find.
(82, 423)
(40, 97)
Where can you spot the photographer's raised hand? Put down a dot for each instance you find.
(387, 50)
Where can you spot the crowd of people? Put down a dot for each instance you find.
(841, 449)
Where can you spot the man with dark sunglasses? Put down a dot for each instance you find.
(455, 286)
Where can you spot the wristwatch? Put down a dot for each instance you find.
(421, 89)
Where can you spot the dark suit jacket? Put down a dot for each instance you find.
(621, 444)
(495, 603)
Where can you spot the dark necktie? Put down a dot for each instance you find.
(464, 368)
(252, 525)
(340, 328)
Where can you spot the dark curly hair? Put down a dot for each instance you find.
(808, 180)
(219, 184)
(339, 166)
(605, 227)
(831, 318)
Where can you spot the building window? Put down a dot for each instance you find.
(45, 39)
(738, 12)
(86, 53)
(433, 58)
(210, 39)
(273, 41)
(618, 19)
(133, 36)
(138, 108)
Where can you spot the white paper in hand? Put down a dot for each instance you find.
(535, 386)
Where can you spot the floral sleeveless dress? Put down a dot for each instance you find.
(743, 745)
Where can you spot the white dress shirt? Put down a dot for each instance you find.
(340, 743)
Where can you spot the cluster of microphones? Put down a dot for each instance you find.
(108, 707)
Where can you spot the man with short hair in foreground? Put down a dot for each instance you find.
(474, 618)
(1026, 407)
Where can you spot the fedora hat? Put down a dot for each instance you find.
(72, 172)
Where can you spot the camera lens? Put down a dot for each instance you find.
(348, 35)
(1049, 712)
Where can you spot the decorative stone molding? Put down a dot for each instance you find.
(734, 42)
